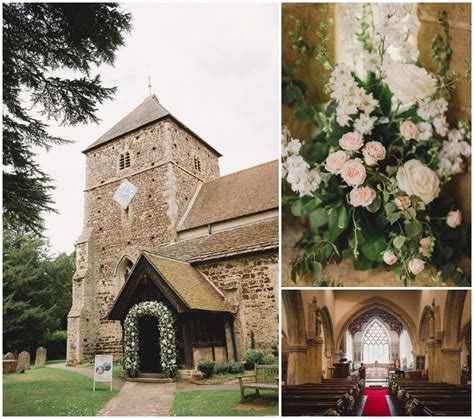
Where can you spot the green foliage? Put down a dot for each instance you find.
(230, 368)
(252, 357)
(38, 40)
(55, 343)
(52, 392)
(36, 290)
(207, 368)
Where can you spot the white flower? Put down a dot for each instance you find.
(409, 130)
(335, 161)
(441, 125)
(454, 219)
(362, 196)
(351, 141)
(402, 202)
(416, 266)
(353, 172)
(414, 178)
(409, 83)
(389, 257)
(293, 147)
(373, 152)
(425, 131)
(365, 124)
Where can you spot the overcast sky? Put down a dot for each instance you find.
(214, 66)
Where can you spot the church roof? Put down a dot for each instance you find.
(150, 110)
(235, 241)
(238, 194)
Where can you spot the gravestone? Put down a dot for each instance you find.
(23, 361)
(40, 360)
(8, 356)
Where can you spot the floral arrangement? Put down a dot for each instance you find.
(166, 322)
(371, 183)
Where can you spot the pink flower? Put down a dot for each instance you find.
(409, 130)
(335, 161)
(373, 152)
(402, 202)
(351, 141)
(426, 246)
(362, 196)
(454, 218)
(416, 266)
(390, 258)
(353, 172)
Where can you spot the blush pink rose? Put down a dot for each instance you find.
(351, 141)
(362, 196)
(373, 152)
(409, 130)
(389, 257)
(353, 172)
(416, 266)
(402, 202)
(335, 161)
(454, 218)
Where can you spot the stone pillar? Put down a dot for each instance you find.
(434, 362)
(229, 342)
(314, 360)
(451, 365)
(297, 366)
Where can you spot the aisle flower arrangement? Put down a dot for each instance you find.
(166, 326)
(373, 182)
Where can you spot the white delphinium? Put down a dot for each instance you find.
(453, 150)
(425, 131)
(350, 98)
(364, 124)
(434, 112)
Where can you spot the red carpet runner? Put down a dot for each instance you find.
(376, 404)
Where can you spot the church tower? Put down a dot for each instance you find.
(141, 176)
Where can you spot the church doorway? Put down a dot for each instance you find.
(149, 345)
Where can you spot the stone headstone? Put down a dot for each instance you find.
(40, 360)
(9, 366)
(8, 356)
(23, 361)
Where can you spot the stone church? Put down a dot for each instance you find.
(161, 224)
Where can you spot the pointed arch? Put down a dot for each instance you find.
(123, 269)
(453, 317)
(328, 332)
(296, 326)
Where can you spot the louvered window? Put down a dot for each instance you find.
(127, 159)
(121, 162)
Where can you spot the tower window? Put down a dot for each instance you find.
(197, 164)
(124, 160)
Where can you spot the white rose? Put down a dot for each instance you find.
(409, 83)
(351, 141)
(389, 257)
(409, 130)
(416, 266)
(335, 161)
(373, 152)
(454, 219)
(414, 178)
(353, 172)
(362, 196)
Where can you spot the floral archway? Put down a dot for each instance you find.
(166, 322)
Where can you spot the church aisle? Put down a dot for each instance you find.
(376, 403)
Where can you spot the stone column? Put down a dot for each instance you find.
(229, 342)
(297, 366)
(451, 365)
(314, 360)
(434, 362)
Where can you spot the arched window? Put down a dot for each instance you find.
(376, 344)
(127, 159)
(124, 160)
(123, 272)
(121, 162)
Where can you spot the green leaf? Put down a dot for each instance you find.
(343, 217)
(413, 229)
(399, 241)
(373, 251)
(448, 270)
(318, 218)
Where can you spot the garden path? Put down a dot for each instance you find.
(141, 399)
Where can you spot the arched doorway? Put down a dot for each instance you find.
(149, 352)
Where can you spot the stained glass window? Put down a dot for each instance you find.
(376, 343)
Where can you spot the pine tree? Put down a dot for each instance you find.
(41, 40)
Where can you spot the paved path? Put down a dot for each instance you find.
(117, 382)
(141, 399)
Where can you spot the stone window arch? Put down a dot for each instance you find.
(376, 343)
(122, 272)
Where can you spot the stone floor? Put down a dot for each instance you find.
(141, 399)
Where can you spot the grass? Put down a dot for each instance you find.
(224, 403)
(219, 379)
(52, 392)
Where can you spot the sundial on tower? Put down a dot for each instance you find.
(125, 193)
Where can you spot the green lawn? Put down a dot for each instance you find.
(224, 403)
(52, 392)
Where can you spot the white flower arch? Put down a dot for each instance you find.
(166, 321)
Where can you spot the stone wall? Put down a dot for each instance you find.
(249, 284)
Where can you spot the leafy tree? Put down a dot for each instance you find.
(42, 43)
(36, 290)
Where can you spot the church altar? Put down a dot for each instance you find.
(376, 372)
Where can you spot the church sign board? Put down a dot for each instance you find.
(103, 367)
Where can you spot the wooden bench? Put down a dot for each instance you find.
(265, 378)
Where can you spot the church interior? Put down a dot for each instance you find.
(376, 352)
